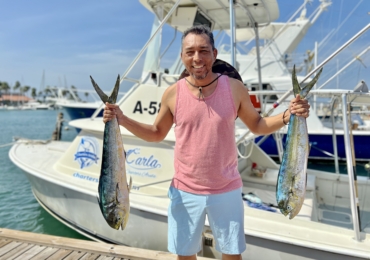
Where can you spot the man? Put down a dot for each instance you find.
(203, 106)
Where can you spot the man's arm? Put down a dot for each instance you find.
(267, 125)
(151, 133)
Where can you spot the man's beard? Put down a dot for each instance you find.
(200, 77)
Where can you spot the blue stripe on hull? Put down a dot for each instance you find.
(77, 113)
(325, 143)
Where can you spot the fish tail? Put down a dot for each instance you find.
(309, 86)
(113, 96)
(296, 87)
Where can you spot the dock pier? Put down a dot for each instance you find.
(21, 245)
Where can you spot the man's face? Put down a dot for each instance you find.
(197, 55)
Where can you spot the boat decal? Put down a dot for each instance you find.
(141, 162)
(87, 152)
(85, 177)
(142, 174)
(152, 109)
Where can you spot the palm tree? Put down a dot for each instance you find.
(25, 89)
(5, 86)
(17, 85)
(34, 93)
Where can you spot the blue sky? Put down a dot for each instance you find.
(71, 40)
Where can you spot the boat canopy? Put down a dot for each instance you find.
(215, 13)
(266, 33)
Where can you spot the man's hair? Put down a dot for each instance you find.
(199, 30)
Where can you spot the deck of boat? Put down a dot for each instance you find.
(22, 245)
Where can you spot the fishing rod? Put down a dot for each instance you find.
(289, 92)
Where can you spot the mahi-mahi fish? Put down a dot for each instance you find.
(113, 189)
(292, 178)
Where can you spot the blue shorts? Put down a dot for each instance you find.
(186, 218)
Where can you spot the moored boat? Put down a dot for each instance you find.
(64, 175)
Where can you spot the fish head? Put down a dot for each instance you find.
(296, 205)
(287, 203)
(124, 219)
(119, 218)
(290, 207)
(285, 207)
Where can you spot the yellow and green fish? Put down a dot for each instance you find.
(292, 178)
(113, 189)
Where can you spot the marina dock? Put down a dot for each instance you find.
(20, 245)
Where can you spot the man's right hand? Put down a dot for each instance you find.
(111, 111)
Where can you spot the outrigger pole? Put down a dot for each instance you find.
(289, 92)
(172, 10)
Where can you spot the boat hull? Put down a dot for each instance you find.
(149, 230)
(144, 230)
(322, 146)
(80, 112)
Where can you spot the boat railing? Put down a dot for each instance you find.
(290, 91)
(136, 59)
(347, 97)
(356, 58)
(163, 22)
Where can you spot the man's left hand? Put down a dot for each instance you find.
(299, 107)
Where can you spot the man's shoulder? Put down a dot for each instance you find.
(170, 92)
(236, 84)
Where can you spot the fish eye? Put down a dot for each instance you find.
(289, 207)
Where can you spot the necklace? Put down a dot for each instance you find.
(201, 87)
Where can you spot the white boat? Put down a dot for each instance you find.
(274, 74)
(64, 175)
(34, 105)
(75, 107)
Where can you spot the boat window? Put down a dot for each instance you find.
(266, 98)
(201, 19)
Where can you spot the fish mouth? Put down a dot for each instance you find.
(284, 212)
(282, 206)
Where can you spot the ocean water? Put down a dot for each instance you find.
(19, 209)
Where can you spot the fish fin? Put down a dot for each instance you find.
(309, 86)
(296, 87)
(118, 193)
(100, 206)
(129, 186)
(113, 96)
(100, 92)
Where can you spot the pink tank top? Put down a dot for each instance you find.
(205, 151)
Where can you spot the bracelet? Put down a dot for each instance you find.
(284, 116)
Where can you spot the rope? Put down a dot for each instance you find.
(25, 140)
(245, 143)
(9, 144)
